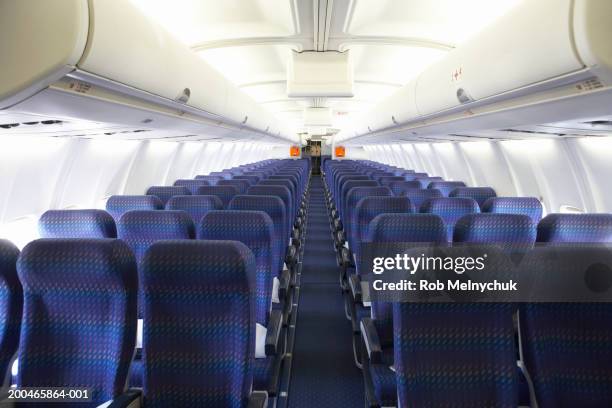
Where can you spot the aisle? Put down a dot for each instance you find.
(323, 373)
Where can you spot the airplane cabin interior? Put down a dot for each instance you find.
(306, 203)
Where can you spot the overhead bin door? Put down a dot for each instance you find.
(530, 44)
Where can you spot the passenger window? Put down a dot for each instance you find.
(20, 231)
(569, 209)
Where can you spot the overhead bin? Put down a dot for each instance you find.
(537, 47)
(110, 46)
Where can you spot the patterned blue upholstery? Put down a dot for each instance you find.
(419, 228)
(284, 183)
(354, 195)
(164, 193)
(241, 185)
(487, 228)
(446, 187)
(77, 224)
(575, 228)
(456, 355)
(450, 210)
(529, 206)
(225, 193)
(567, 349)
(212, 180)
(79, 321)
(399, 187)
(369, 207)
(192, 185)
(225, 175)
(414, 176)
(118, 205)
(383, 379)
(346, 187)
(418, 196)
(195, 205)
(386, 181)
(252, 179)
(426, 181)
(274, 207)
(283, 193)
(255, 230)
(480, 194)
(11, 306)
(199, 326)
(140, 229)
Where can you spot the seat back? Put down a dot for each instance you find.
(508, 230)
(196, 206)
(445, 187)
(225, 193)
(418, 196)
(11, 306)
(199, 326)
(346, 187)
(279, 191)
(192, 184)
(414, 176)
(399, 187)
(77, 224)
(455, 354)
(252, 179)
(575, 228)
(212, 180)
(353, 196)
(274, 207)
(386, 181)
(567, 347)
(529, 206)
(369, 207)
(480, 194)
(426, 181)
(118, 205)
(79, 321)
(241, 185)
(164, 193)
(450, 210)
(141, 229)
(406, 227)
(255, 230)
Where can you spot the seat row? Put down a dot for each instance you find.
(465, 354)
(194, 296)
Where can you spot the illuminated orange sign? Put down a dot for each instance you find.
(340, 151)
(294, 151)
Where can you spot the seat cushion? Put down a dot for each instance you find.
(383, 380)
(262, 371)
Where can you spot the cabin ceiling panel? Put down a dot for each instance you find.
(445, 21)
(199, 21)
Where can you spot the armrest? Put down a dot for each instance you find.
(258, 399)
(371, 340)
(129, 399)
(346, 257)
(355, 285)
(275, 324)
(340, 238)
(284, 283)
(291, 255)
(338, 224)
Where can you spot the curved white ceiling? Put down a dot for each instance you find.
(391, 41)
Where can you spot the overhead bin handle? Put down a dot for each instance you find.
(184, 96)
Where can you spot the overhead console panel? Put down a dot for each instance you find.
(527, 56)
(108, 52)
